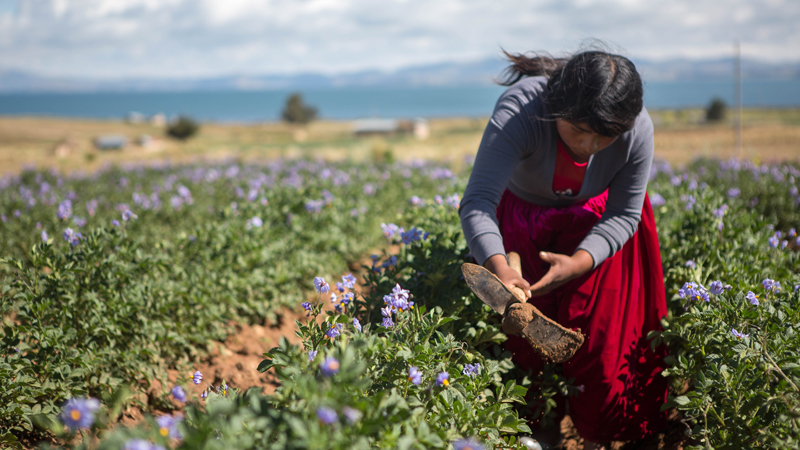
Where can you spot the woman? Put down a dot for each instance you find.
(560, 178)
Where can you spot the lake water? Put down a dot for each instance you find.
(349, 103)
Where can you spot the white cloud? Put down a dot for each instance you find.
(112, 38)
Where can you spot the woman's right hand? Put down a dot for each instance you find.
(498, 265)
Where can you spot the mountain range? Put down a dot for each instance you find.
(481, 72)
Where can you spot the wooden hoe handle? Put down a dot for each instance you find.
(514, 262)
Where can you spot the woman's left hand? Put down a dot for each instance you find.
(563, 268)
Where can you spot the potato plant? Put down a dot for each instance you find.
(370, 373)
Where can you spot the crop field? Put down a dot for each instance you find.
(117, 282)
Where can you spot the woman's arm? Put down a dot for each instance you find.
(509, 135)
(626, 194)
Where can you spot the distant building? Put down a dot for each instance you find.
(387, 127)
(158, 120)
(135, 118)
(364, 127)
(111, 142)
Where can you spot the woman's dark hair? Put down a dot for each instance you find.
(595, 87)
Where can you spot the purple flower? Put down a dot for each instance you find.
(197, 377)
(351, 414)
(399, 292)
(693, 291)
(311, 355)
(413, 235)
(720, 212)
(44, 236)
(315, 206)
(738, 334)
(140, 444)
(767, 283)
(168, 426)
(453, 200)
(752, 298)
(255, 222)
(791, 233)
(330, 366)
(306, 306)
(416, 201)
(178, 393)
(773, 242)
(204, 395)
(347, 298)
(321, 286)
(79, 412)
(657, 200)
(690, 201)
(73, 237)
(716, 287)
(796, 287)
(472, 370)
(387, 317)
(734, 192)
(326, 415)
(468, 444)
(356, 324)
(128, 215)
(391, 230)
(443, 379)
(334, 331)
(64, 210)
(115, 222)
(438, 199)
(349, 281)
(691, 264)
(414, 376)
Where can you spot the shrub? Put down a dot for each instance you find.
(296, 111)
(183, 128)
(716, 110)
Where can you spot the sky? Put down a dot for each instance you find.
(111, 39)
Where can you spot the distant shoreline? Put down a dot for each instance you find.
(352, 103)
(750, 110)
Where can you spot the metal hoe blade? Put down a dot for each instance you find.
(488, 287)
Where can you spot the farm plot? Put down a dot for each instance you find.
(417, 361)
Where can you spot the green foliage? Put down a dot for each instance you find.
(128, 302)
(183, 128)
(295, 111)
(716, 110)
(742, 391)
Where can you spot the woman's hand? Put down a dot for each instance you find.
(498, 265)
(563, 268)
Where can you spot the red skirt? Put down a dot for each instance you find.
(615, 305)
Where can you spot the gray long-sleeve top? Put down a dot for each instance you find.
(518, 153)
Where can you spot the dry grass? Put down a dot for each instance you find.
(680, 137)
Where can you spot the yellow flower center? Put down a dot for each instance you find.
(75, 414)
(163, 431)
(334, 365)
(445, 383)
